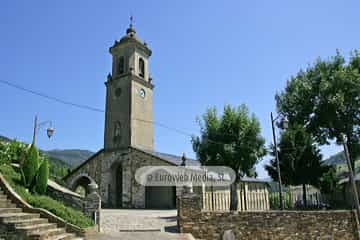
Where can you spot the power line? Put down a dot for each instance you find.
(165, 126)
(55, 99)
(191, 135)
(51, 98)
(81, 106)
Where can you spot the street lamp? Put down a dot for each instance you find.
(37, 126)
(285, 125)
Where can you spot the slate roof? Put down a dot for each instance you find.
(170, 158)
(177, 160)
(173, 159)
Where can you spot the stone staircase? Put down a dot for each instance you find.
(28, 226)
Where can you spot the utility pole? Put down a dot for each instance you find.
(351, 176)
(35, 130)
(277, 162)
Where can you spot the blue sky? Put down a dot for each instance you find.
(205, 53)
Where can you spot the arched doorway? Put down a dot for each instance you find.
(81, 185)
(119, 186)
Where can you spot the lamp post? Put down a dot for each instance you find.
(37, 126)
(351, 176)
(284, 125)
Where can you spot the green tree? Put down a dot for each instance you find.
(326, 100)
(299, 158)
(30, 166)
(329, 181)
(42, 177)
(232, 140)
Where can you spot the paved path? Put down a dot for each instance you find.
(138, 235)
(136, 220)
(134, 224)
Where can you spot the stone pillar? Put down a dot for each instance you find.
(92, 204)
(189, 208)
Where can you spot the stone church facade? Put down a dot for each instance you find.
(128, 134)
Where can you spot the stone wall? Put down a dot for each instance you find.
(69, 198)
(90, 204)
(301, 225)
(133, 194)
(90, 169)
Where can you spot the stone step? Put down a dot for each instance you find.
(46, 234)
(10, 210)
(26, 222)
(36, 228)
(7, 204)
(18, 216)
(4, 199)
(30, 225)
(64, 236)
(3, 196)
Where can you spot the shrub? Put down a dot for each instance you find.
(30, 166)
(16, 152)
(59, 209)
(13, 151)
(42, 177)
(275, 200)
(69, 214)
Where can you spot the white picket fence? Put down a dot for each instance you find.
(251, 197)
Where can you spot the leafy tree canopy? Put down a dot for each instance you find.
(325, 98)
(232, 140)
(299, 159)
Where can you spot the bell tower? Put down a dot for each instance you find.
(129, 91)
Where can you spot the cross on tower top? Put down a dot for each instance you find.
(131, 29)
(131, 20)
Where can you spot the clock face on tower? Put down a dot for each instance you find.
(142, 93)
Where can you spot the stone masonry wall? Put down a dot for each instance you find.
(91, 169)
(133, 194)
(69, 198)
(298, 225)
(90, 204)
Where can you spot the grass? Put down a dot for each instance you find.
(70, 215)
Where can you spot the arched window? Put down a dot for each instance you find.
(121, 67)
(141, 67)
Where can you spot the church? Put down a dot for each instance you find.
(128, 134)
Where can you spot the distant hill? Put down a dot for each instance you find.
(72, 157)
(338, 158)
(67, 158)
(58, 167)
(4, 139)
